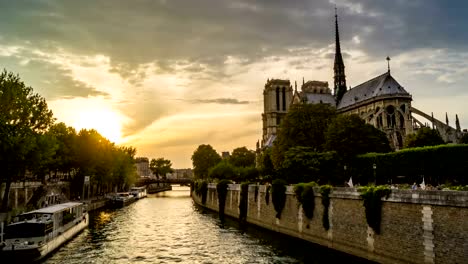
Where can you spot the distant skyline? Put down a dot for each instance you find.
(165, 76)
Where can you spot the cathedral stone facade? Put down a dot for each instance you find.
(380, 101)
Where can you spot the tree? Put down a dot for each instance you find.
(304, 125)
(349, 136)
(242, 157)
(303, 164)
(23, 115)
(464, 138)
(203, 159)
(160, 167)
(65, 159)
(424, 137)
(223, 170)
(266, 168)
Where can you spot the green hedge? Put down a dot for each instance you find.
(438, 164)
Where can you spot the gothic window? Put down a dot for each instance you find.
(278, 120)
(277, 99)
(402, 121)
(284, 99)
(391, 120)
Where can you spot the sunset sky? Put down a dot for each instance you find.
(165, 76)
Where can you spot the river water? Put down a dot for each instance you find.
(169, 228)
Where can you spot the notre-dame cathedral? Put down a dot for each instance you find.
(381, 102)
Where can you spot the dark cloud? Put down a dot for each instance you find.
(49, 80)
(207, 31)
(219, 101)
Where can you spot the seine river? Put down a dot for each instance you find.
(170, 228)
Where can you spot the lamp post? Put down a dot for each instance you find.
(374, 166)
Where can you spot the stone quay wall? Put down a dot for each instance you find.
(417, 226)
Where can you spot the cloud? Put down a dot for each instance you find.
(219, 101)
(48, 78)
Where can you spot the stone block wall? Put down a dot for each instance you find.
(416, 227)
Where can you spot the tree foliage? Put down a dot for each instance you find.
(304, 125)
(303, 164)
(349, 136)
(223, 171)
(204, 158)
(160, 167)
(242, 157)
(30, 142)
(425, 136)
(24, 116)
(464, 139)
(266, 168)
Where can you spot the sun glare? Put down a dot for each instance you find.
(106, 122)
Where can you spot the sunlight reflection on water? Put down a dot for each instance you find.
(168, 228)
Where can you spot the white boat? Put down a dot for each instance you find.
(39, 232)
(138, 192)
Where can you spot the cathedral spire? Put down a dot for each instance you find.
(339, 88)
(457, 123)
(446, 119)
(388, 64)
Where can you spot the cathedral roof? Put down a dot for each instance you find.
(317, 98)
(383, 85)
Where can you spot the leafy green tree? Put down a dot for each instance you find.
(160, 167)
(303, 164)
(41, 158)
(223, 170)
(424, 137)
(242, 157)
(65, 159)
(124, 172)
(304, 125)
(349, 136)
(266, 168)
(247, 174)
(23, 115)
(464, 138)
(204, 158)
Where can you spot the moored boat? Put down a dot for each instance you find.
(138, 192)
(122, 199)
(37, 233)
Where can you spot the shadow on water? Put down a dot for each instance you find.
(283, 245)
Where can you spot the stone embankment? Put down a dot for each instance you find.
(416, 226)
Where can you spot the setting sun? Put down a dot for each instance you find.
(105, 121)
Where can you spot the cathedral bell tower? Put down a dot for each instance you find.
(277, 97)
(339, 88)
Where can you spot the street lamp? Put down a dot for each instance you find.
(374, 166)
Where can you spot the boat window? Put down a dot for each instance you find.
(24, 230)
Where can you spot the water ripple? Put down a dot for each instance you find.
(169, 228)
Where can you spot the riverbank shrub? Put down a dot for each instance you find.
(439, 165)
(222, 189)
(201, 190)
(372, 196)
(325, 191)
(278, 193)
(244, 201)
(305, 196)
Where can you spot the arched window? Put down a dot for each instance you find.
(277, 99)
(284, 98)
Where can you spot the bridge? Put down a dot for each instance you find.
(148, 181)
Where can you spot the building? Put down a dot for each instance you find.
(380, 101)
(180, 174)
(142, 167)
